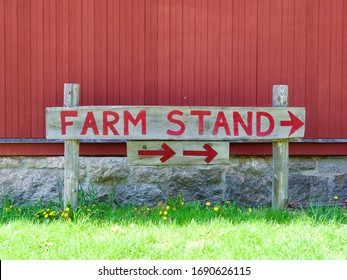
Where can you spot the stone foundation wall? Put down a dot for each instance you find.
(246, 180)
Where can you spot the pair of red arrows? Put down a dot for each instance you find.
(166, 152)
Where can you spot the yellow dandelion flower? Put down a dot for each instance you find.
(67, 209)
(164, 218)
(166, 212)
(182, 203)
(52, 213)
(161, 212)
(65, 215)
(167, 208)
(11, 206)
(215, 209)
(250, 210)
(7, 210)
(69, 219)
(148, 209)
(336, 197)
(89, 210)
(208, 204)
(46, 216)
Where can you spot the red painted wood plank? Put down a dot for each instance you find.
(235, 93)
(185, 52)
(288, 40)
(251, 22)
(2, 71)
(336, 78)
(50, 52)
(13, 112)
(277, 15)
(324, 68)
(60, 55)
(263, 85)
(65, 43)
(176, 53)
(299, 77)
(226, 57)
(190, 95)
(136, 19)
(119, 149)
(128, 44)
(203, 51)
(179, 52)
(124, 60)
(312, 69)
(75, 43)
(88, 56)
(241, 55)
(100, 52)
(213, 52)
(142, 40)
(164, 47)
(8, 63)
(151, 57)
(24, 75)
(198, 52)
(173, 53)
(40, 75)
(162, 6)
(344, 74)
(111, 19)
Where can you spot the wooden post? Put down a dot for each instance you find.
(280, 151)
(71, 151)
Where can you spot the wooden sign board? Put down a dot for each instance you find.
(177, 153)
(175, 123)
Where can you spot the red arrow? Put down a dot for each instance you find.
(209, 152)
(294, 122)
(166, 154)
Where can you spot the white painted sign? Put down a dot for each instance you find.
(175, 123)
(177, 152)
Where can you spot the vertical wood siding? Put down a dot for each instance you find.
(173, 52)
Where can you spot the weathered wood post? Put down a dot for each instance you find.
(280, 151)
(71, 151)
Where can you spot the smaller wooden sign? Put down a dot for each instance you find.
(177, 152)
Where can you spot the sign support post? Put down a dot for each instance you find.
(71, 152)
(280, 155)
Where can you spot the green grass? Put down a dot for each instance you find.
(191, 231)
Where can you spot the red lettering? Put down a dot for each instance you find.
(221, 121)
(109, 124)
(141, 117)
(176, 121)
(238, 120)
(90, 122)
(64, 123)
(201, 114)
(271, 121)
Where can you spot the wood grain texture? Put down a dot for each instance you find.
(178, 148)
(178, 123)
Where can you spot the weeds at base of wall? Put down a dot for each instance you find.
(173, 209)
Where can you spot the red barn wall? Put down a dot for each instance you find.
(173, 52)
